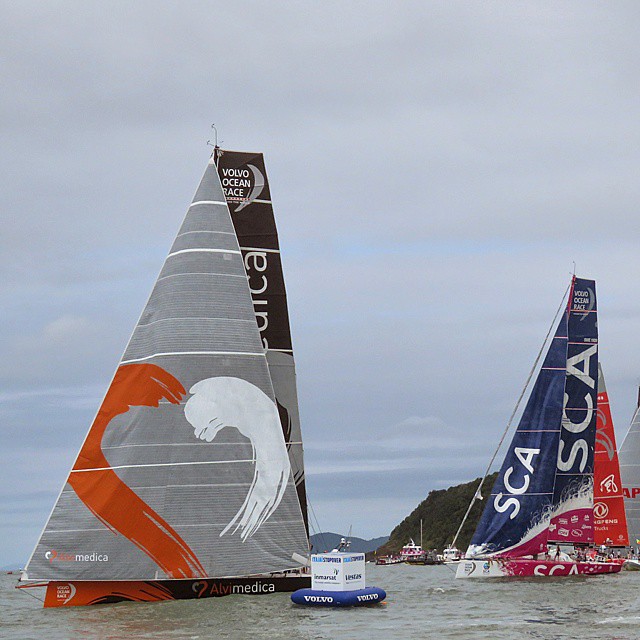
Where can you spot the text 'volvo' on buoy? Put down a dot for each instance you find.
(337, 580)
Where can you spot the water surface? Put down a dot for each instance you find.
(423, 602)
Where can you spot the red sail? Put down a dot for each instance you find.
(610, 521)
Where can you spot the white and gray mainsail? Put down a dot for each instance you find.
(184, 472)
(629, 456)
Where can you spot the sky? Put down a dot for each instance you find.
(436, 170)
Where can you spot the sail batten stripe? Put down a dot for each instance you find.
(193, 353)
(148, 324)
(199, 273)
(180, 486)
(561, 473)
(506, 493)
(204, 250)
(182, 444)
(260, 249)
(193, 204)
(223, 233)
(160, 464)
(182, 526)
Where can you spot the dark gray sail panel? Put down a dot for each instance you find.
(185, 472)
(246, 186)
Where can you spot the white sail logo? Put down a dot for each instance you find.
(609, 484)
(578, 447)
(525, 456)
(600, 510)
(222, 402)
(604, 440)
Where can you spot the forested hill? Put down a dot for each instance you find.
(328, 540)
(441, 514)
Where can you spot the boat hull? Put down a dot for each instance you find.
(78, 593)
(631, 565)
(517, 568)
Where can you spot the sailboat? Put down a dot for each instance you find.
(609, 517)
(544, 491)
(190, 482)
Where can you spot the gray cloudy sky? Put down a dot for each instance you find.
(435, 169)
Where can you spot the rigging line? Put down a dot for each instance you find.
(33, 595)
(317, 525)
(515, 410)
(313, 513)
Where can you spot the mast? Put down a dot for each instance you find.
(246, 186)
(184, 472)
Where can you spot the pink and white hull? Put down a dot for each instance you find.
(521, 568)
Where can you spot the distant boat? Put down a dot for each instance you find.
(452, 555)
(389, 559)
(631, 564)
(544, 491)
(190, 482)
(413, 553)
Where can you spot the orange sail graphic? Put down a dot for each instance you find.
(108, 497)
(610, 522)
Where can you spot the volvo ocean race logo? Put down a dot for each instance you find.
(242, 184)
(584, 301)
(64, 592)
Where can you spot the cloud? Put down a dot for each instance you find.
(436, 168)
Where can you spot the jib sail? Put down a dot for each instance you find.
(630, 472)
(609, 519)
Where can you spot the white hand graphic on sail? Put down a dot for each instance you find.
(232, 402)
